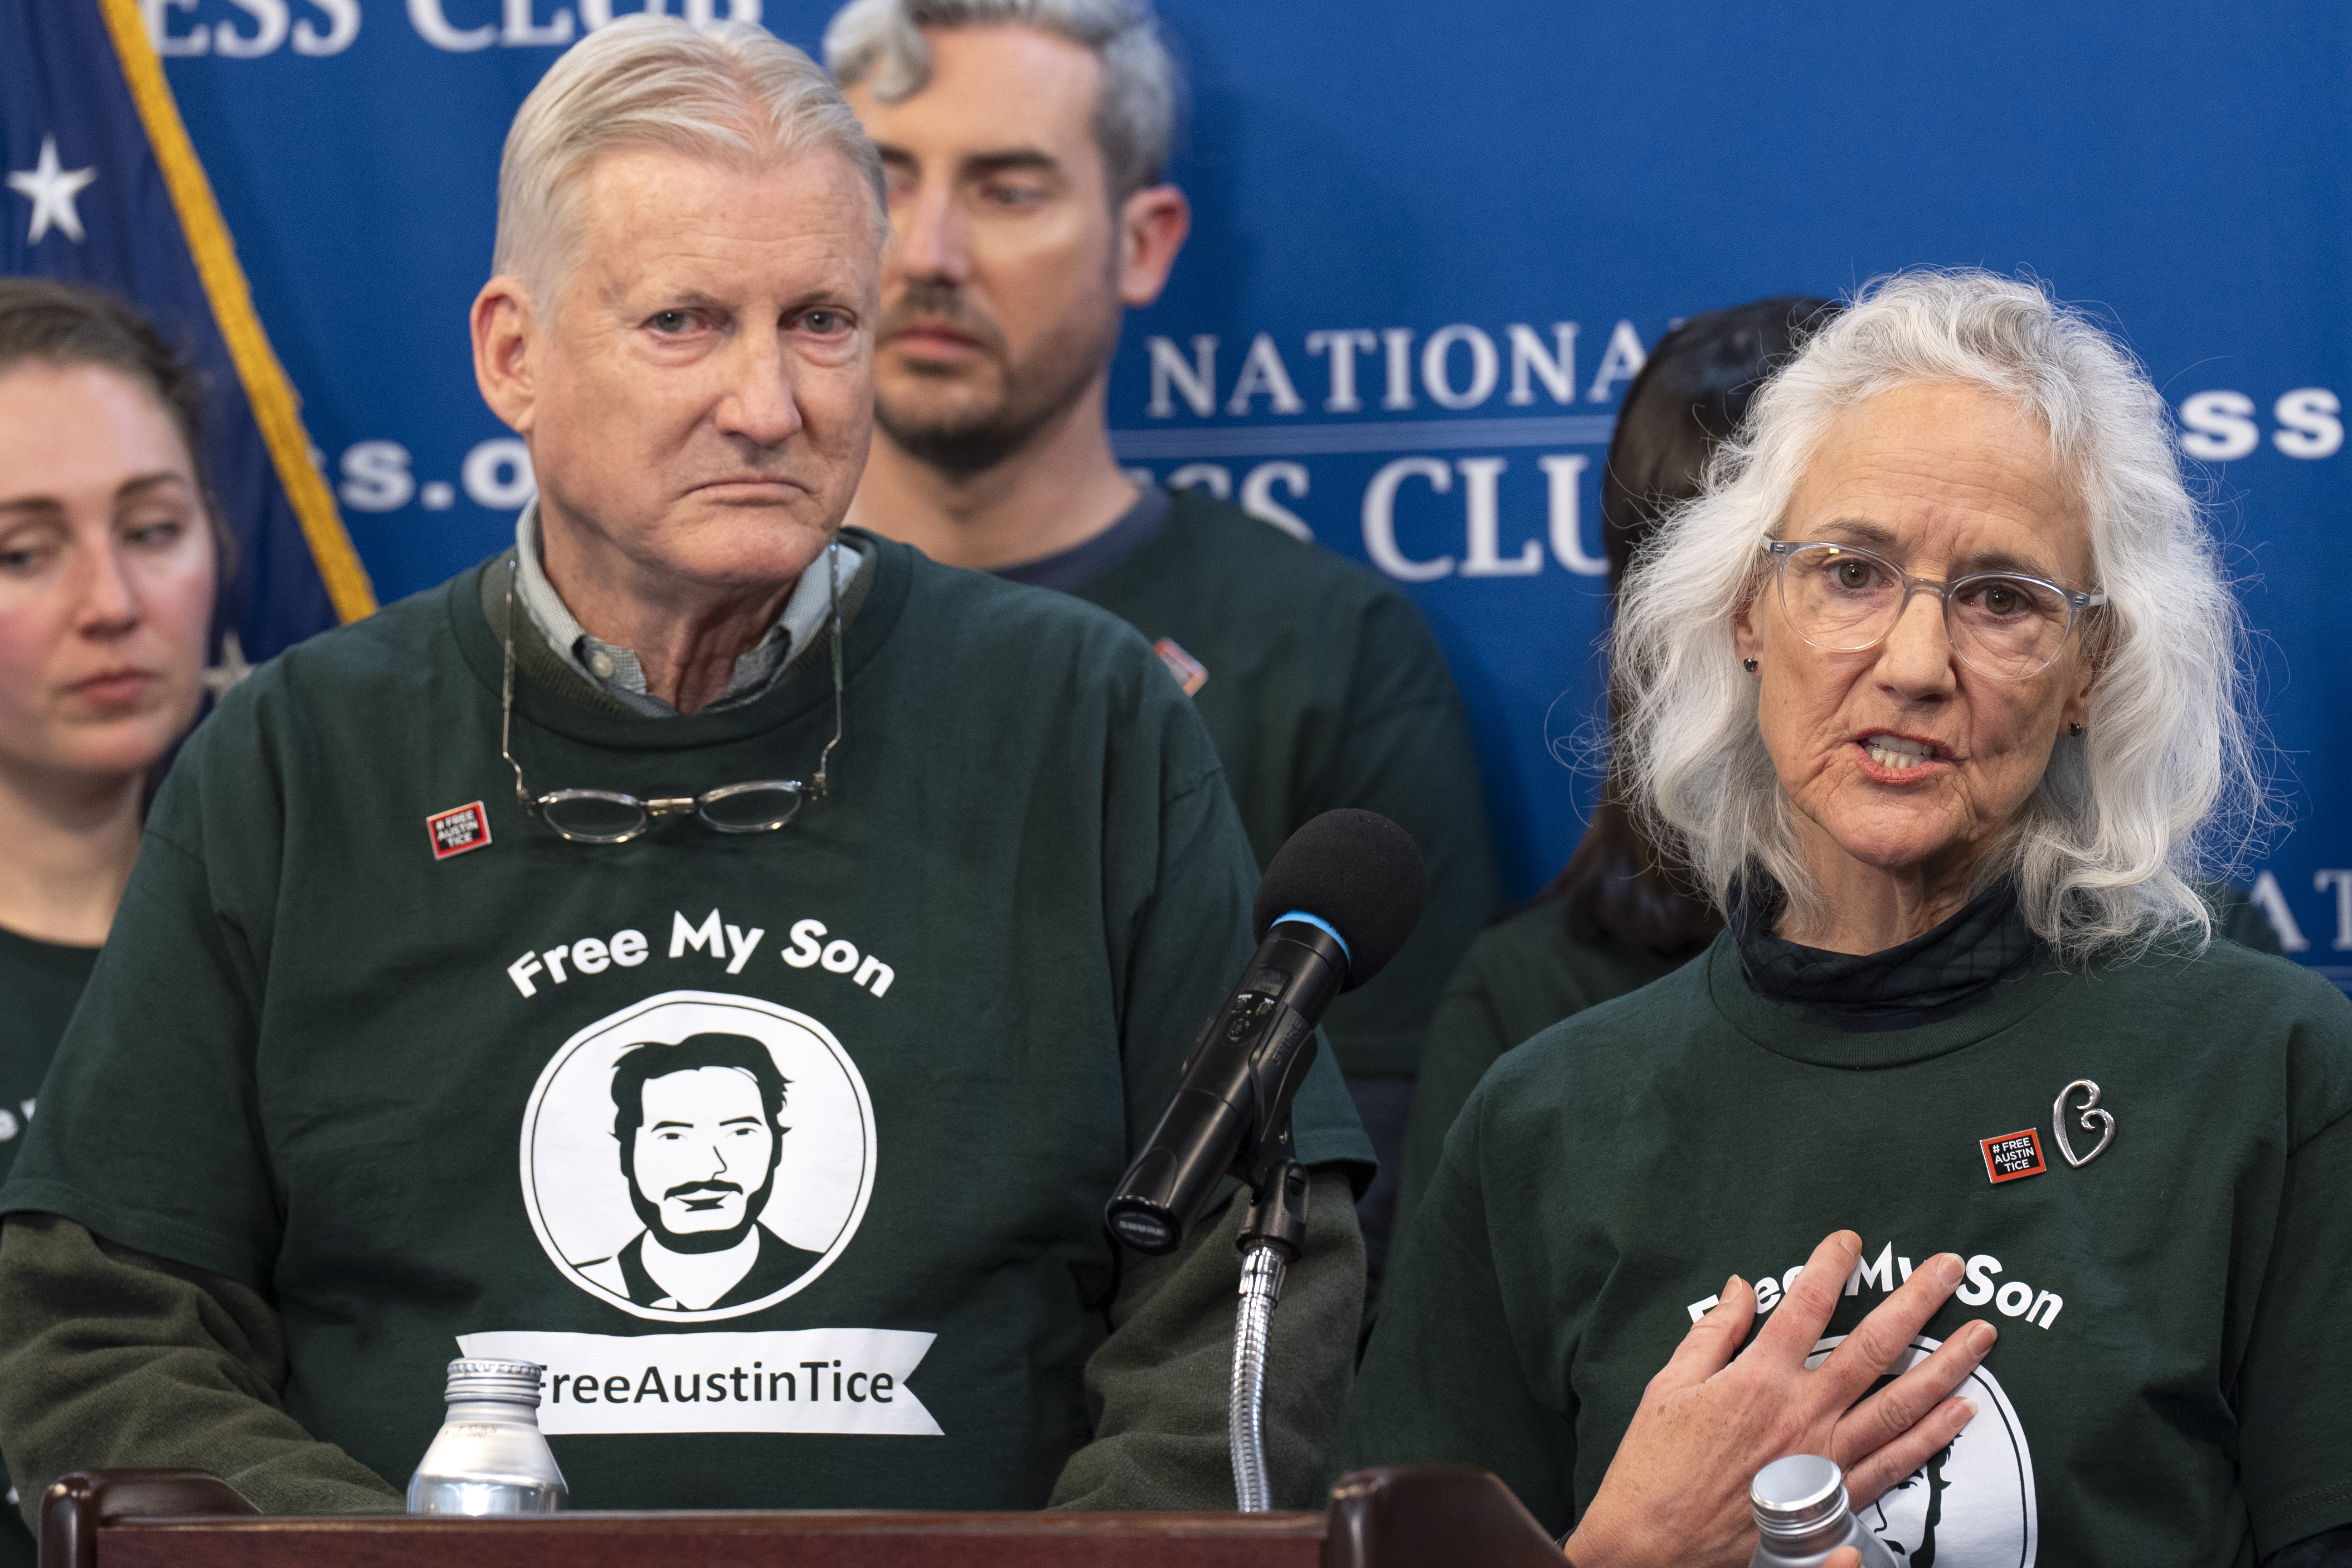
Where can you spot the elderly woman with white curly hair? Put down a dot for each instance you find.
(1936, 688)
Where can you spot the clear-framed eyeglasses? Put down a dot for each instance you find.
(1847, 599)
(611, 816)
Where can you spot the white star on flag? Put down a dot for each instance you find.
(52, 190)
(231, 669)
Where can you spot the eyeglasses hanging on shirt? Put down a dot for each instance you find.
(611, 816)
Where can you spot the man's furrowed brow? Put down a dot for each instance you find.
(688, 299)
(634, 299)
(979, 165)
(1011, 161)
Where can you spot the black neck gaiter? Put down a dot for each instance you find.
(1932, 976)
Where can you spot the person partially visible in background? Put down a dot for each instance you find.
(1617, 916)
(108, 562)
(1026, 144)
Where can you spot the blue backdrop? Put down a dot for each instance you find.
(1430, 248)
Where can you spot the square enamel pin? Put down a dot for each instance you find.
(1189, 672)
(455, 832)
(2013, 1156)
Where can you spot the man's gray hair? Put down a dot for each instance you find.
(880, 42)
(731, 90)
(2158, 792)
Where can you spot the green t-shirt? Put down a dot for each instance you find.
(414, 1084)
(2170, 1384)
(1521, 976)
(1526, 973)
(40, 981)
(1324, 689)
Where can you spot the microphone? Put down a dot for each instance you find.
(1336, 903)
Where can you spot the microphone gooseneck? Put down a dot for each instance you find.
(1338, 900)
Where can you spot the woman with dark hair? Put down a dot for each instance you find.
(108, 559)
(1616, 917)
(108, 563)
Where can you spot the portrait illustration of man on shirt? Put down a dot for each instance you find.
(700, 1130)
(1906, 1517)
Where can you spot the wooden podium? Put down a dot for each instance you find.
(1400, 1517)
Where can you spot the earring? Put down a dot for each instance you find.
(1750, 665)
(2075, 730)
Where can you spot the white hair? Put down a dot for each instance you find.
(731, 91)
(1134, 123)
(2160, 790)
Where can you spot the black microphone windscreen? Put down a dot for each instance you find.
(1357, 870)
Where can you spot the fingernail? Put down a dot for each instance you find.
(1967, 1411)
(1947, 1271)
(1986, 1334)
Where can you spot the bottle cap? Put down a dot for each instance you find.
(509, 1381)
(1797, 1494)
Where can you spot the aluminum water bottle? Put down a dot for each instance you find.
(1803, 1516)
(489, 1455)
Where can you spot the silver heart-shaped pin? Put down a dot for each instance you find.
(2092, 1117)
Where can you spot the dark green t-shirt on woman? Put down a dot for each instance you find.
(2171, 1383)
(1520, 977)
(40, 981)
(1526, 973)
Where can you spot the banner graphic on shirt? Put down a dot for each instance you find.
(1971, 1504)
(805, 1380)
(697, 1156)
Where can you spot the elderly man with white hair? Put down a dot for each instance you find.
(721, 957)
(1936, 687)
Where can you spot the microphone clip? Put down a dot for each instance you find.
(1277, 1216)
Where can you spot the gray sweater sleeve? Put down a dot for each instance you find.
(112, 1359)
(1157, 1386)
